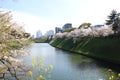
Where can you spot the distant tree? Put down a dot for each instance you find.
(114, 20)
(85, 25)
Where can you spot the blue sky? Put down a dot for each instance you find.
(46, 14)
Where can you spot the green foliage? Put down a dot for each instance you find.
(114, 20)
(111, 17)
(14, 45)
(85, 25)
(103, 48)
(12, 35)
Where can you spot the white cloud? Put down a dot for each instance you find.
(73, 11)
(33, 23)
(94, 11)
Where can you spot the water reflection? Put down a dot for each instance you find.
(67, 65)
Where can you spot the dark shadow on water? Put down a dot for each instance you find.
(87, 65)
(99, 63)
(95, 62)
(109, 65)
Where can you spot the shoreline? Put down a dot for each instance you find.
(63, 44)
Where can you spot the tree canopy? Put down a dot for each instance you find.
(11, 33)
(85, 25)
(114, 20)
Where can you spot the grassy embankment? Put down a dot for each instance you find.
(101, 48)
(15, 45)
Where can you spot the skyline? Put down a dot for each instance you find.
(45, 15)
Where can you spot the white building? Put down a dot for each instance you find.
(38, 34)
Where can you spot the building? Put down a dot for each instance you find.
(49, 33)
(67, 26)
(97, 26)
(57, 30)
(38, 34)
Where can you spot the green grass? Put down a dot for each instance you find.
(15, 45)
(104, 48)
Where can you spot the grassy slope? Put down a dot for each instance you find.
(16, 45)
(108, 49)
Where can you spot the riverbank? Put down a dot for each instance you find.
(102, 48)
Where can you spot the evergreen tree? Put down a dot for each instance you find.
(113, 20)
(111, 17)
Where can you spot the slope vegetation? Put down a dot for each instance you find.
(100, 48)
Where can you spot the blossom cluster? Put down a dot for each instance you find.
(89, 32)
